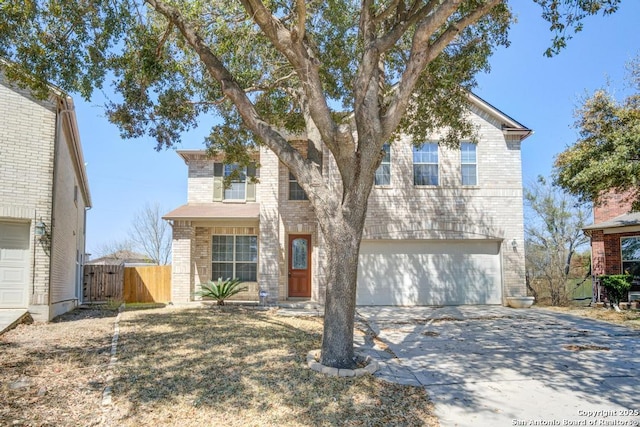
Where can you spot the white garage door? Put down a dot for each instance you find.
(14, 265)
(429, 273)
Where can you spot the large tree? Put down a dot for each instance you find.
(606, 156)
(349, 75)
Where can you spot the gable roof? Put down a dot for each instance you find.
(121, 257)
(509, 125)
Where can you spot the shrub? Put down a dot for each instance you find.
(220, 290)
(617, 286)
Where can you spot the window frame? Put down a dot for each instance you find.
(464, 163)
(295, 187)
(234, 252)
(628, 261)
(419, 150)
(386, 161)
(231, 189)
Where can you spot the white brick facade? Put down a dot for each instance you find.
(42, 178)
(492, 210)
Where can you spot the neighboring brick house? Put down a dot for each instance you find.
(44, 195)
(444, 226)
(615, 240)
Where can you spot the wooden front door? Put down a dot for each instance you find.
(300, 266)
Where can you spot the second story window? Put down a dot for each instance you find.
(295, 191)
(239, 180)
(238, 186)
(469, 163)
(425, 164)
(383, 173)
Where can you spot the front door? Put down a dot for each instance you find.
(300, 266)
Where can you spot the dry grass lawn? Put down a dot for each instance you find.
(53, 374)
(228, 366)
(628, 318)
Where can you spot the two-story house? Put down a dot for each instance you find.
(44, 196)
(444, 226)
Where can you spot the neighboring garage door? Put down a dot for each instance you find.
(14, 264)
(429, 273)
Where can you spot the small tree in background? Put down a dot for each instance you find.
(553, 233)
(114, 249)
(151, 234)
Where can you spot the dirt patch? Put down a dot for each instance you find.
(430, 334)
(585, 347)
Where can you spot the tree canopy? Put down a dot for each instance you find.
(607, 154)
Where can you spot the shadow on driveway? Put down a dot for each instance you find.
(492, 365)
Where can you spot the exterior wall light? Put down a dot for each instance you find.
(514, 244)
(43, 235)
(41, 228)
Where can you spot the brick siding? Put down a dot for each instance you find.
(492, 210)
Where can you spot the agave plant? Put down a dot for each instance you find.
(220, 290)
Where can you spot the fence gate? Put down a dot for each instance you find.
(102, 283)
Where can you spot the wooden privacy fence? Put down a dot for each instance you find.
(147, 284)
(102, 283)
(129, 284)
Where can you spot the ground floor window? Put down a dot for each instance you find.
(235, 257)
(630, 250)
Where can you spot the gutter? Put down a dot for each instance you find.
(69, 108)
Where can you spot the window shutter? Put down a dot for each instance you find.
(218, 182)
(251, 186)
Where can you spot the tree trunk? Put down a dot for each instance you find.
(342, 248)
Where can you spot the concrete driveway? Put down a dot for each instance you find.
(496, 366)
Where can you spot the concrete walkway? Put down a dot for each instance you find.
(496, 366)
(9, 318)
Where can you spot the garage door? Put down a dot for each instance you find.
(429, 273)
(14, 265)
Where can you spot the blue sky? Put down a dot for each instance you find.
(539, 92)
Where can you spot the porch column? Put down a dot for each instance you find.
(182, 287)
(269, 251)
